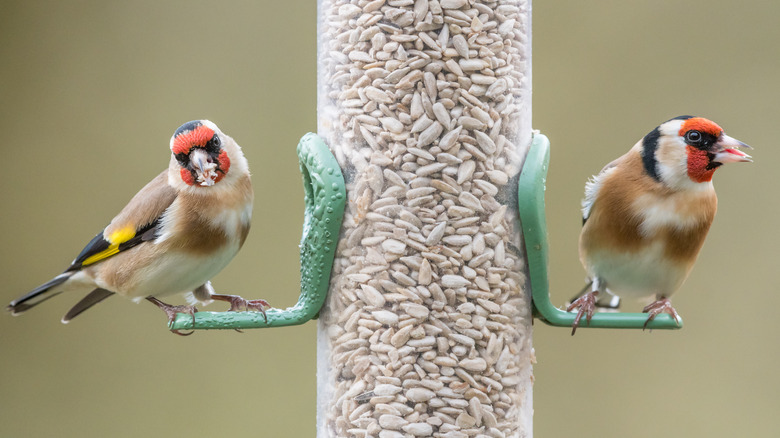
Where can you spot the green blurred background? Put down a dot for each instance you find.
(91, 92)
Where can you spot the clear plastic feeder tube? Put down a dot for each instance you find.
(427, 327)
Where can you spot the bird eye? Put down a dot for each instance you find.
(213, 145)
(693, 137)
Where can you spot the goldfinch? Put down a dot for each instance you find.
(646, 214)
(179, 231)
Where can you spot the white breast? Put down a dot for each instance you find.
(638, 275)
(179, 272)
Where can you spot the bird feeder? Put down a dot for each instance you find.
(426, 330)
(423, 241)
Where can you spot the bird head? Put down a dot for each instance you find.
(685, 151)
(202, 155)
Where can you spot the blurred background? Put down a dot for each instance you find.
(92, 91)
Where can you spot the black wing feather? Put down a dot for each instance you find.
(96, 245)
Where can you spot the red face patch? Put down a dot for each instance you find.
(186, 140)
(224, 162)
(697, 165)
(186, 176)
(702, 125)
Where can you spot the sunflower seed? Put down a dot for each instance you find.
(430, 134)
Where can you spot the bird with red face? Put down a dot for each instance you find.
(173, 236)
(646, 214)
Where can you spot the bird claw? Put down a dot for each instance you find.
(663, 305)
(172, 311)
(239, 304)
(586, 305)
(177, 332)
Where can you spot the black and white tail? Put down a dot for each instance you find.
(39, 294)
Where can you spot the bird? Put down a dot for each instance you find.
(175, 234)
(646, 214)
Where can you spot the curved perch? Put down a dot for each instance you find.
(325, 197)
(530, 195)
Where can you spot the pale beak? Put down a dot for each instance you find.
(727, 150)
(204, 167)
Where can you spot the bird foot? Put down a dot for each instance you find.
(586, 305)
(664, 305)
(238, 304)
(172, 310)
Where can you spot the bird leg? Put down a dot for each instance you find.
(171, 311)
(587, 305)
(662, 305)
(238, 304)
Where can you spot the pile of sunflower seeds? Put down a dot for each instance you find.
(426, 331)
